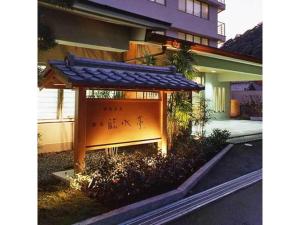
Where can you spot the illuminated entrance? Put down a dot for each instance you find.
(117, 104)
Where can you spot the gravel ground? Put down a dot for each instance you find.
(58, 161)
(53, 162)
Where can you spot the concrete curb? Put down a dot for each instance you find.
(133, 210)
(244, 139)
(199, 174)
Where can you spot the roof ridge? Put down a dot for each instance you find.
(120, 76)
(73, 60)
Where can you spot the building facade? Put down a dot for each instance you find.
(191, 20)
(127, 31)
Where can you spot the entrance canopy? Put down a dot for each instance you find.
(227, 66)
(90, 73)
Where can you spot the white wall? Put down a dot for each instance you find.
(56, 136)
(211, 81)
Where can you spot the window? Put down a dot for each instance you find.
(181, 36)
(181, 5)
(197, 39)
(192, 38)
(162, 2)
(189, 6)
(47, 103)
(194, 7)
(204, 11)
(55, 104)
(189, 37)
(219, 99)
(108, 94)
(197, 8)
(68, 106)
(204, 41)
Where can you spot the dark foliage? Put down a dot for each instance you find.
(252, 107)
(249, 43)
(217, 139)
(46, 38)
(123, 179)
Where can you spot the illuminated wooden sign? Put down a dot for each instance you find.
(121, 122)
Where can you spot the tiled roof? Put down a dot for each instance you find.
(116, 75)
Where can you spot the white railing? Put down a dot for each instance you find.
(221, 28)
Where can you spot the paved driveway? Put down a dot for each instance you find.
(241, 208)
(236, 127)
(239, 161)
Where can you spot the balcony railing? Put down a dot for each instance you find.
(221, 28)
(222, 1)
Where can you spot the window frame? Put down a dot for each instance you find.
(193, 13)
(59, 114)
(206, 39)
(204, 3)
(185, 38)
(200, 5)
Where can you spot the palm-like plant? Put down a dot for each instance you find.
(180, 113)
(202, 114)
(183, 61)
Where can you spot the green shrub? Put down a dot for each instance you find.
(217, 139)
(125, 178)
(122, 179)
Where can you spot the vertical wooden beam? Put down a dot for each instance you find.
(80, 130)
(60, 99)
(163, 122)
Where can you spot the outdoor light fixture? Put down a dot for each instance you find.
(213, 71)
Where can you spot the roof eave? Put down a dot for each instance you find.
(165, 40)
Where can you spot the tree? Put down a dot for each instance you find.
(183, 61)
(250, 43)
(202, 114)
(180, 108)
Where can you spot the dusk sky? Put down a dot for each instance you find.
(240, 15)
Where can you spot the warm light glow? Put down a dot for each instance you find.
(234, 108)
(213, 71)
(114, 122)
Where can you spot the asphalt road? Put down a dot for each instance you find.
(240, 208)
(239, 161)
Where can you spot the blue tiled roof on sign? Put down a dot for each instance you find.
(116, 75)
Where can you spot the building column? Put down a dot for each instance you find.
(80, 130)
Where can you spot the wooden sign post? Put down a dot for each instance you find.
(163, 145)
(106, 123)
(80, 129)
